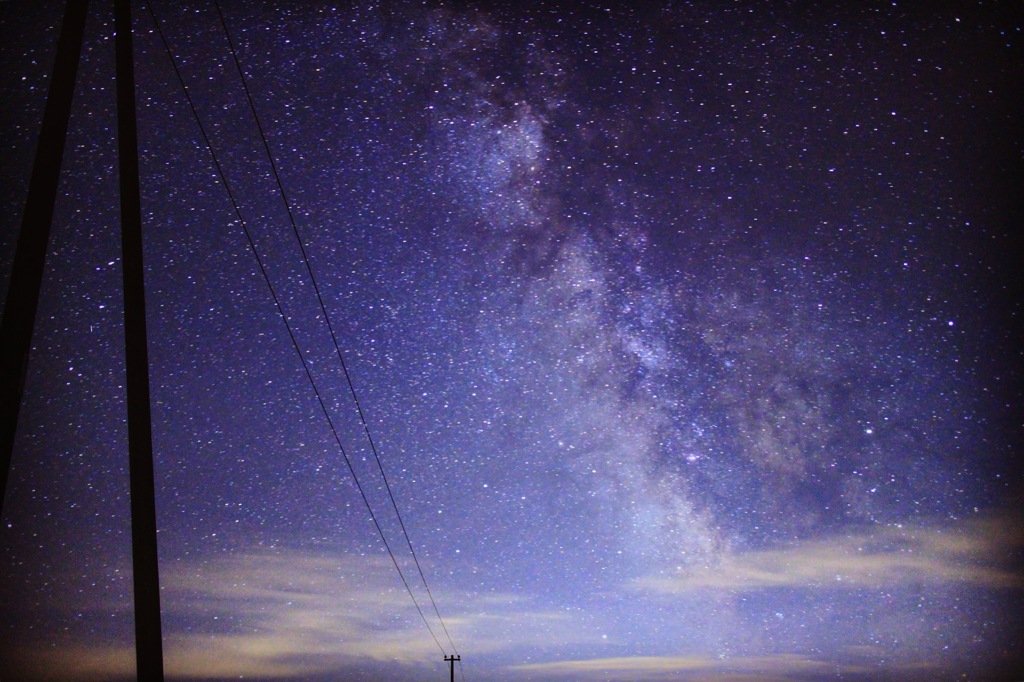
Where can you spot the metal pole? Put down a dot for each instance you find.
(145, 569)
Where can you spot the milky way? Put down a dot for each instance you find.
(688, 335)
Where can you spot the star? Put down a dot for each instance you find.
(664, 341)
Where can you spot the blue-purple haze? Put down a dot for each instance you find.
(688, 334)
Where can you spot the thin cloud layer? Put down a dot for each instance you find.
(779, 667)
(305, 614)
(977, 552)
(294, 615)
(784, 667)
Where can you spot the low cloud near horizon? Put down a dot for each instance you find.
(297, 614)
(978, 552)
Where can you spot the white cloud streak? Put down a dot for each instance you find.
(292, 614)
(974, 552)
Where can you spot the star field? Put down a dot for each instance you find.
(688, 334)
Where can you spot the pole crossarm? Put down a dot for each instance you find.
(450, 660)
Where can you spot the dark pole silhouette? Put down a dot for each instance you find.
(451, 665)
(148, 637)
(30, 256)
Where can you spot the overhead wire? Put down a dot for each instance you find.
(284, 318)
(327, 318)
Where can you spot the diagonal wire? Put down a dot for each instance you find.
(327, 318)
(291, 334)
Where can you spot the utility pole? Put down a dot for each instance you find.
(145, 571)
(451, 664)
(23, 297)
(19, 316)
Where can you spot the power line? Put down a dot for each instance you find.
(284, 318)
(327, 318)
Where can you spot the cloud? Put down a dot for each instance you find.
(292, 613)
(976, 552)
(853, 662)
(287, 614)
(766, 668)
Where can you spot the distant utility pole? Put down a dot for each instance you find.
(451, 664)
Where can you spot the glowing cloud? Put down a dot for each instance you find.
(971, 552)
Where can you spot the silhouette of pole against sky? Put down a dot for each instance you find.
(145, 570)
(23, 300)
(30, 253)
(451, 665)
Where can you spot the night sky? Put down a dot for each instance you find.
(689, 337)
